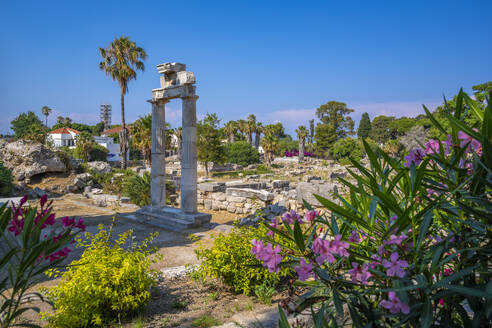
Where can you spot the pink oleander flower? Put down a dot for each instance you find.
(448, 272)
(340, 247)
(393, 218)
(310, 216)
(382, 250)
(468, 141)
(395, 267)
(354, 237)
(432, 147)
(257, 248)
(269, 256)
(441, 302)
(67, 221)
(80, 224)
(64, 252)
(377, 261)
(323, 249)
(359, 274)
(304, 270)
(16, 226)
(394, 305)
(415, 156)
(289, 217)
(396, 240)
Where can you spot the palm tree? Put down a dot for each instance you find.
(242, 126)
(121, 59)
(250, 128)
(311, 131)
(83, 145)
(270, 146)
(230, 129)
(258, 132)
(302, 133)
(46, 112)
(142, 136)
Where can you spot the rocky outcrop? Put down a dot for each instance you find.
(27, 159)
(306, 191)
(100, 167)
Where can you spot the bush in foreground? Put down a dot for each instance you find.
(5, 180)
(231, 261)
(410, 246)
(111, 280)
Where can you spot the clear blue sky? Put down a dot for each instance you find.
(277, 59)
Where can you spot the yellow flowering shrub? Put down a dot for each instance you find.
(110, 281)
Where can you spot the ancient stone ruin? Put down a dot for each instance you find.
(176, 82)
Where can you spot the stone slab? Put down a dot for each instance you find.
(306, 191)
(250, 193)
(169, 218)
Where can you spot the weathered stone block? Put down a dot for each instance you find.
(306, 191)
(250, 193)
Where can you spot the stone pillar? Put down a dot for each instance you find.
(188, 156)
(158, 155)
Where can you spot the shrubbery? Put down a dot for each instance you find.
(231, 261)
(110, 281)
(411, 243)
(242, 153)
(344, 149)
(5, 180)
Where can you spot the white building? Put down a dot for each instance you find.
(107, 141)
(63, 137)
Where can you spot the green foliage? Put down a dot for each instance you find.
(325, 137)
(84, 143)
(265, 292)
(99, 153)
(364, 126)
(111, 280)
(31, 244)
(25, 123)
(205, 321)
(209, 145)
(242, 153)
(416, 234)
(346, 148)
(380, 128)
(138, 189)
(6, 179)
(62, 122)
(337, 115)
(286, 144)
(231, 261)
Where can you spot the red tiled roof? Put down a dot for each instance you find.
(64, 131)
(115, 130)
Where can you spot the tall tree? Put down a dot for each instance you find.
(230, 129)
(380, 128)
(46, 112)
(242, 126)
(311, 131)
(337, 116)
(250, 128)
(258, 132)
(83, 146)
(364, 126)
(22, 124)
(302, 133)
(121, 59)
(325, 137)
(142, 136)
(62, 122)
(209, 145)
(178, 132)
(270, 142)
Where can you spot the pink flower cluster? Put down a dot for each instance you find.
(304, 270)
(327, 250)
(45, 218)
(268, 255)
(395, 305)
(360, 274)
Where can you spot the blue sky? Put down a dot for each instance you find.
(277, 59)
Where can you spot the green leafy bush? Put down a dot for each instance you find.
(346, 148)
(5, 180)
(99, 153)
(231, 261)
(111, 280)
(410, 245)
(137, 188)
(242, 153)
(265, 292)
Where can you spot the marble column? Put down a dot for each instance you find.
(188, 156)
(158, 155)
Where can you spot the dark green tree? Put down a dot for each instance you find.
(25, 123)
(325, 137)
(481, 90)
(401, 126)
(209, 146)
(242, 153)
(364, 126)
(380, 128)
(311, 131)
(337, 116)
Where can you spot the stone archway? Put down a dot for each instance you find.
(176, 82)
